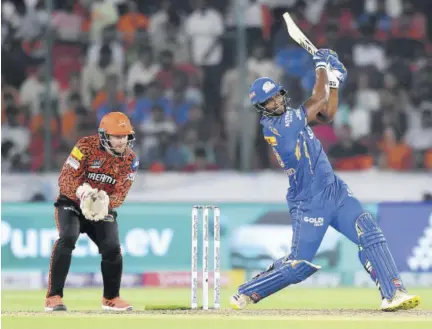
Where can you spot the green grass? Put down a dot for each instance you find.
(292, 308)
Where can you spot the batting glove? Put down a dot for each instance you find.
(337, 72)
(321, 58)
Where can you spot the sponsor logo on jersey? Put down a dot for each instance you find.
(310, 132)
(135, 164)
(288, 118)
(268, 86)
(297, 150)
(77, 153)
(132, 176)
(103, 178)
(71, 209)
(97, 163)
(290, 171)
(275, 131)
(316, 221)
(74, 163)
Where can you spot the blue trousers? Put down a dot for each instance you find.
(334, 206)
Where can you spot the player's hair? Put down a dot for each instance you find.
(116, 123)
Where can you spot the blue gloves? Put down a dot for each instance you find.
(321, 57)
(337, 72)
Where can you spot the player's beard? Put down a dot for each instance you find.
(279, 110)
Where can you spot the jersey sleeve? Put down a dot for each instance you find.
(72, 173)
(292, 121)
(124, 183)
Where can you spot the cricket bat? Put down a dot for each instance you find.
(298, 35)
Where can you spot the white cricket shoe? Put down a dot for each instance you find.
(240, 301)
(400, 301)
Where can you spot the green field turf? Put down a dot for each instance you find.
(293, 308)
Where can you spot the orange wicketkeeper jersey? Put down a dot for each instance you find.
(90, 163)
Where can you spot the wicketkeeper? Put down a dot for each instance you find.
(94, 181)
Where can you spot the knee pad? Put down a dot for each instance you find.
(292, 272)
(374, 245)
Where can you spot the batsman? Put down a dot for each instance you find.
(316, 197)
(94, 181)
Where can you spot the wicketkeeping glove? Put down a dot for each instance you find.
(93, 203)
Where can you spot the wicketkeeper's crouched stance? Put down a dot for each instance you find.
(95, 180)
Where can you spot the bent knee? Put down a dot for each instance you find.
(68, 240)
(110, 252)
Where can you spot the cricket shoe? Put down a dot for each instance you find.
(54, 303)
(240, 301)
(116, 304)
(400, 301)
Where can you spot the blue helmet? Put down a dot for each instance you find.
(263, 89)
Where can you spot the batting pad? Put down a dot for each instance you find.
(374, 244)
(292, 272)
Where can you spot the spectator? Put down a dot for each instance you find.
(410, 25)
(171, 36)
(262, 65)
(77, 121)
(159, 18)
(232, 106)
(176, 155)
(395, 154)
(201, 163)
(95, 77)
(109, 39)
(30, 19)
(67, 22)
(197, 122)
(15, 140)
(349, 154)
(111, 98)
(131, 23)
(179, 107)
(144, 70)
(74, 88)
(33, 91)
(378, 18)
(181, 85)
(369, 52)
(167, 69)
(156, 134)
(204, 28)
(391, 117)
(153, 96)
(419, 135)
(104, 14)
(10, 97)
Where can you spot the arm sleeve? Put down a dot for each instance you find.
(124, 184)
(72, 173)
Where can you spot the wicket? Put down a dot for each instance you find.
(205, 257)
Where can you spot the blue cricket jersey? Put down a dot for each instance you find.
(299, 153)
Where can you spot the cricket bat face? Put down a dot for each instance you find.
(297, 35)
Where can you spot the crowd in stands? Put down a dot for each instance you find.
(171, 65)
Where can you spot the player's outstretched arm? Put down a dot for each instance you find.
(329, 112)
(320, 94)
(337, 73)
